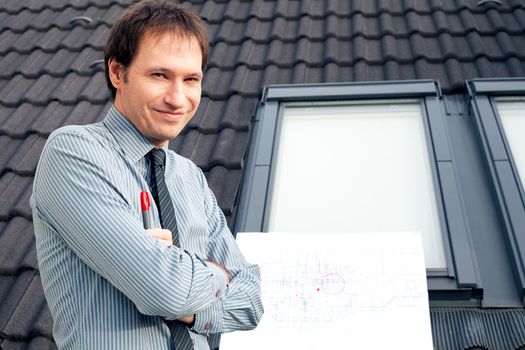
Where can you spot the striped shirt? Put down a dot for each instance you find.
(109, 284)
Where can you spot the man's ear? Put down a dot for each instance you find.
(117, 73)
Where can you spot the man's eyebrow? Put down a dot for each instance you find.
(159, 69)
(167, 70)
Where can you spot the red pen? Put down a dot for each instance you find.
(145, 205)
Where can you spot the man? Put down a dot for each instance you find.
(111, 282)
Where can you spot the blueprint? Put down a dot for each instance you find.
(346, 291)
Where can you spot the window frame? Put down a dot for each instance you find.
(510, 194)
(461, 279)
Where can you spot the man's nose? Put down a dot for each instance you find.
(175, 95)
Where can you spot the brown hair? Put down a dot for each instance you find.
(151, 16)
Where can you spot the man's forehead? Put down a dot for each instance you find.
(172, 37)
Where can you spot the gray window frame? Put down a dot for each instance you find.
(510, 194)
(461, 280)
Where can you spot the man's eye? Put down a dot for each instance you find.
(159, 75)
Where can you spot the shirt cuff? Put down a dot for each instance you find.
(209, 320)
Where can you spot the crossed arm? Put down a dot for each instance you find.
(160, 280)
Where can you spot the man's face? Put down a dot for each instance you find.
(161, 89)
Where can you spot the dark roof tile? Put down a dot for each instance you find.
(12, 158)
(511, 46)
(440, 21)
(226, 148)
(238, 112)
(313, 52)
(41, 90)
(258, 31)
(236, 10)
(110, 14)
(14, 6)
(12, 289)
(216, 83)
(17, 247)
(213, 116)
(515, 67)
(56, 115)
(222, 182)
(284, 54)
(265, 10)
(11, 6)
(339, 8)
(65, 61)
(31, 316)
(18, 23)
(11, 93)
(54, 39)
(21, 121)
(230, 31)
(16, 191)
(253, 54)
(69, 90)
(80, 37)
(211, 12)
(37, 343)
(226, 56)
(15, 121)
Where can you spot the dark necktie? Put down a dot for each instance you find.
(179, 332)
(162, 196)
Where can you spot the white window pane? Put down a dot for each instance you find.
(513, 119)
(356, 168)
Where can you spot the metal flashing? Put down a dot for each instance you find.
(361, 90)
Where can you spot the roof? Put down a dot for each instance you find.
(51, 74)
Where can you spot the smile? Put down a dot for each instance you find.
(170, 114)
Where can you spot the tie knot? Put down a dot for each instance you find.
(158, 157)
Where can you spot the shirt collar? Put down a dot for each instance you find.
(134, 145)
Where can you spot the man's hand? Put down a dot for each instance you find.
(222, 268)
(189, 319)
(164, 236)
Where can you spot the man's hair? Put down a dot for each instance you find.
(155, 17)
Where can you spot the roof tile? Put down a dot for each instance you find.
(16, 191)
(31, 315)
(236, 10)
(17, 247)
(49, 41)
(214, 116)
(211, 12)
(37, 343)
(226, 56)
(12, 288)
(208, 151)
(265, 9)
(253, 54)
(230, 31)
(514, 66)
(222, 182)
(23, 120)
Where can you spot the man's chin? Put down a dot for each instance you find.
(160, 140)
